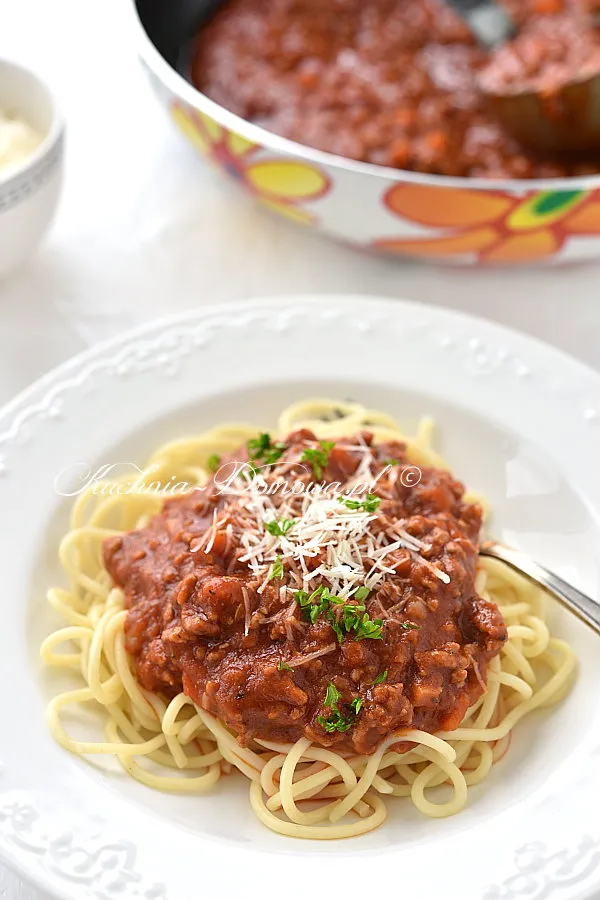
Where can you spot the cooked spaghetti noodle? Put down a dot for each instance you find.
(299, 789)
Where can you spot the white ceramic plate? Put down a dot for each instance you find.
(517, 419)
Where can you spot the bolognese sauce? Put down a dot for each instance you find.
(342, 609)
(393, 82)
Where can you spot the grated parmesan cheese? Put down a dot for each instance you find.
(328, 541)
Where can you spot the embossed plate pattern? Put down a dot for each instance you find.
(519, 419)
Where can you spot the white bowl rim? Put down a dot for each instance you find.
(182, 88)
(54, 134)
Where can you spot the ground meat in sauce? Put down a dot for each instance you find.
(391, 82)
(549, 52)
(187, 616)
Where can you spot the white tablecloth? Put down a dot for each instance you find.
(146, 229)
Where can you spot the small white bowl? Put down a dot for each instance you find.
(29, 191)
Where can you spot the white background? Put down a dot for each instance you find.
(146, 229)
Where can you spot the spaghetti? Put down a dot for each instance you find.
(298, 789)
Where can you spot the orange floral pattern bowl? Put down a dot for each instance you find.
(453, 220)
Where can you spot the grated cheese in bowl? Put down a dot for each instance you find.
(18, 140)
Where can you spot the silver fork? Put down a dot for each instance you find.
(576, 601)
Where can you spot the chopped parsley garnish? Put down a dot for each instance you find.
(258, 446)
(351, 615)
(369, 504)
(369, 628)
(390, 462)
(263, 450)
(313, 614)
(283, 666)
(381, 677)
(332, 695)
(336, 721)
(409, 626)
(362, 593)
(277, 568)
(213, 462)
(352, 618)
(302, 598)
(313, 610)
(318, 457)
(279, 529)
